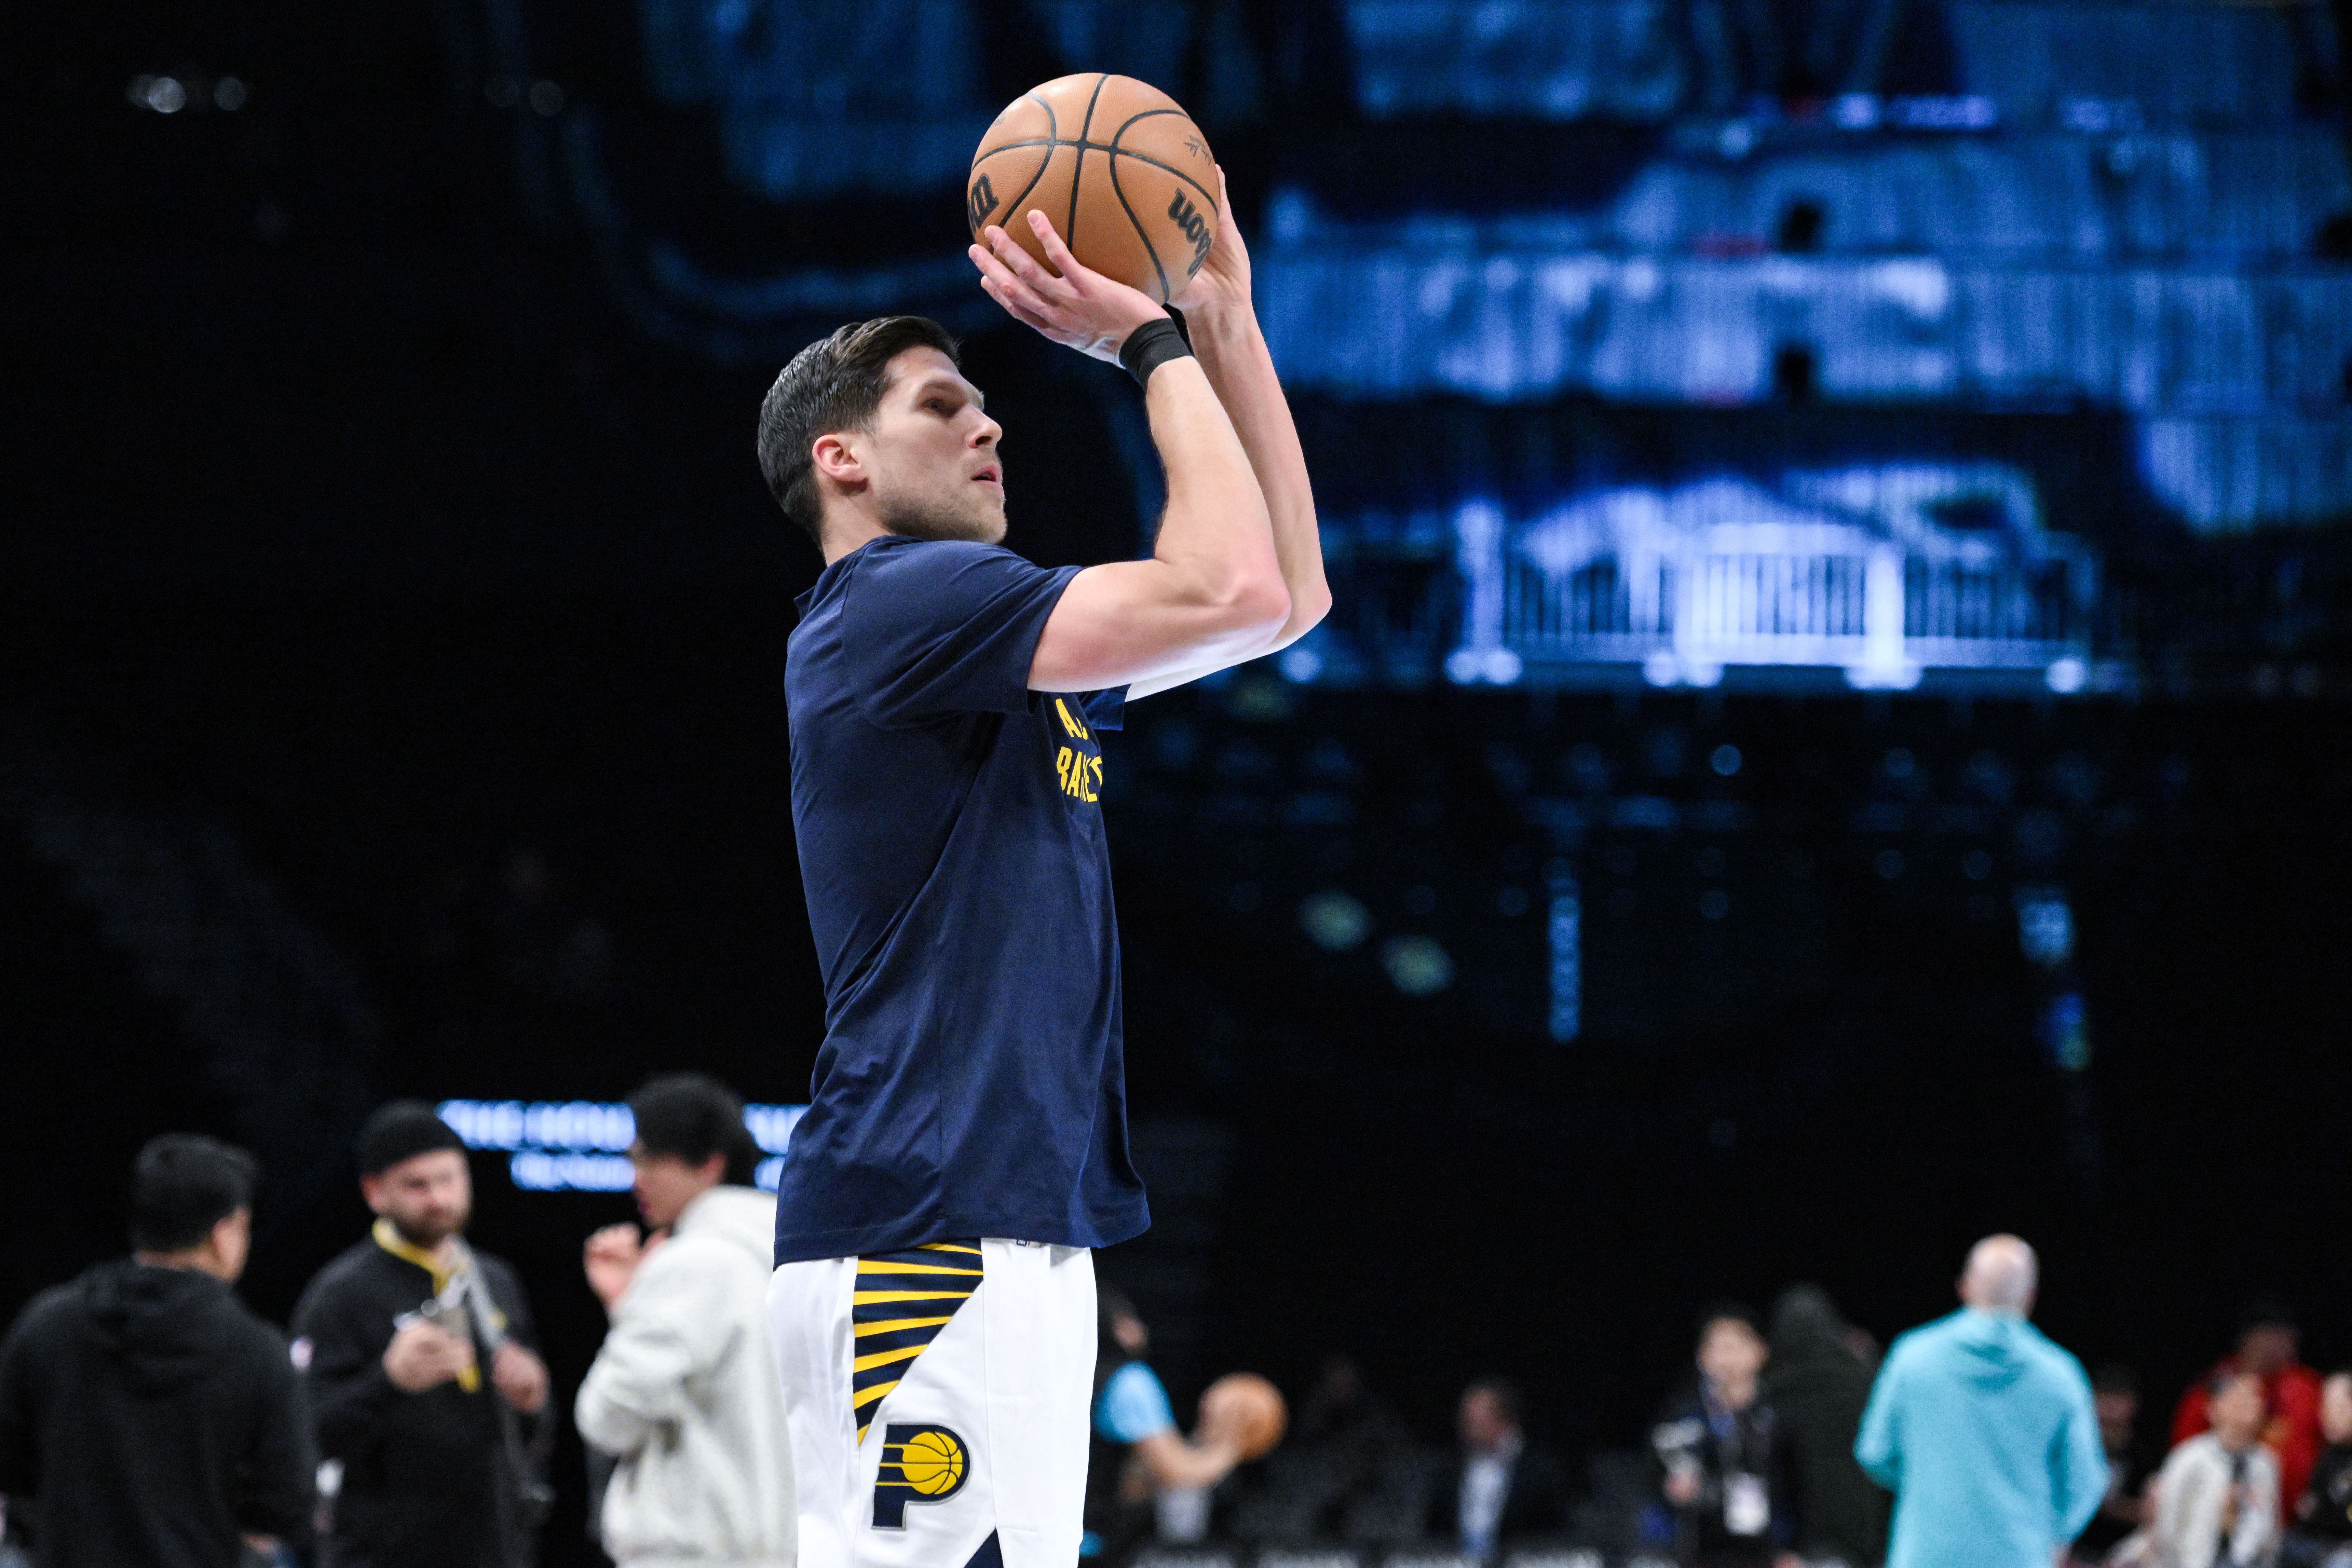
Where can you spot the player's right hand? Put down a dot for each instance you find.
(1223, 281)
(1081, 308)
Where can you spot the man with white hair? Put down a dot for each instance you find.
(1983, 1429)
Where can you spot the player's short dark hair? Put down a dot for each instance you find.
(183, 1184)
(692, 1116)
(402, 1131)
(835, 383)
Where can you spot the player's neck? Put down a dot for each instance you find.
(849, 529)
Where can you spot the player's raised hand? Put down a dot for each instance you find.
(1223, 281)
(1081, 308)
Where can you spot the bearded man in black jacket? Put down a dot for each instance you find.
(416, 1355)
(146, 1416)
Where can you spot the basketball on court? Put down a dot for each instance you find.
(1250, 1407)
(1120, 168)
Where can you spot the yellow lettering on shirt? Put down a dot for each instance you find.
(1069, 721)
(1081, 775)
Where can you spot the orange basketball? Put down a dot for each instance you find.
(1249, 1409)
(1118, 167)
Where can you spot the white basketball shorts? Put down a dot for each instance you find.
(937, 1402)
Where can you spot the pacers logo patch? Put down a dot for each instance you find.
(920, 1464)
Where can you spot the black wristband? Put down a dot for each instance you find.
(1151, 345)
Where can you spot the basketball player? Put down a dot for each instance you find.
(934, 1299)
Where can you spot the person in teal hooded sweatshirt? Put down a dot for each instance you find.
(1984, 1429)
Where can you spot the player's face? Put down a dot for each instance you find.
(932, 453)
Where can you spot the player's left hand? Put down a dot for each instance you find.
(1223, 281)
(521, 1376)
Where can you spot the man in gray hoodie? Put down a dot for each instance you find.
(685, 1393)
(1983, 1429)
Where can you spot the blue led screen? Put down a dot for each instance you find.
(2135, 217)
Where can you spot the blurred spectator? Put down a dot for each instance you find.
(1342, 1416)
(149, 1417)
(684, 1392)
(2322, 1536)
(2269, 1343)
(2123, 1511)
(1983, 1429)
(1142, 1469)
(1720, 1447)
(1498, 1489)
(435, 1469)
(1343, 1471)
(2217, 1497)
(1817, 1387)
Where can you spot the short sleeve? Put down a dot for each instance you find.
(937, 626)
(1105, 709)
(1133, 1406)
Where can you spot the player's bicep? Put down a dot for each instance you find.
(1130, 623)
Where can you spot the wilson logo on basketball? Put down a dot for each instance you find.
(982, 203)
(1189, 218)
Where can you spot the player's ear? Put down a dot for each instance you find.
(836, 458)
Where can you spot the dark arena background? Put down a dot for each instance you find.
(1831, 741)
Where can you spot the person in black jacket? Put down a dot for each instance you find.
(146, 1416)
(424, 1388)
(2322, 1533)
(1497, 1490)
(1817, 1388)
(1722, 1453)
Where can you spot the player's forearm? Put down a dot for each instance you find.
(1216, 535)
(1178, 1466)
(1233, 354)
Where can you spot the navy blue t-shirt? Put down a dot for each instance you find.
(950, 832)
